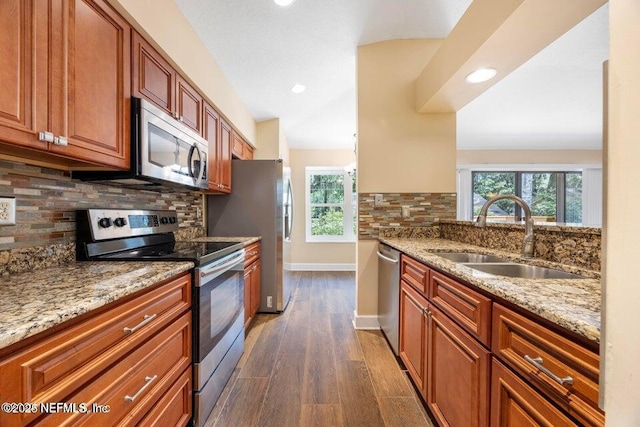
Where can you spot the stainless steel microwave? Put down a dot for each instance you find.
(165, 153)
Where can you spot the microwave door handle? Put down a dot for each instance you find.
(193, 149)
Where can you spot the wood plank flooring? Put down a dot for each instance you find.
(309, 367)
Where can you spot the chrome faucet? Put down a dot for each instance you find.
(528, 242)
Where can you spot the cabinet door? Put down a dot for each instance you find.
(92, 103)
(515, 404)
(23, 79)
(255, 288)
(225, 156)
(457, 374)
(247, 296)
(413, 333)
(237, 148)
(153, 78)
(248, 151)
(189, 107)
(211, 133)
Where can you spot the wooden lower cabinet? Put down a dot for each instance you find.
(413, 334)
(138, 348)
(516, 404)
(252, 282)
(457, 378)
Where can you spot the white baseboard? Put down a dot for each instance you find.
(319, 267)
(365, 322)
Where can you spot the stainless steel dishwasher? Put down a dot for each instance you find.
(389, 293)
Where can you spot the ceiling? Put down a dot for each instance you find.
(265, 49)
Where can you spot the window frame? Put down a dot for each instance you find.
(348, 208)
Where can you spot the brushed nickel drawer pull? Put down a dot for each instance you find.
(537, 362)
(147, 318)
(148, 381)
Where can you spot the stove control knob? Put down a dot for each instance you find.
(104, 222)
(173, 220)
(164, 220)
(120, 222)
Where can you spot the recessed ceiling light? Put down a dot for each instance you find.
(283, 2)
(298, 88)
(481, 75)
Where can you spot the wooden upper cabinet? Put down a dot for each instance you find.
(225, 156)
(211, 132)
(157, 81)
(153, 78)
(189, 108)
(240, 148)
(95, 118)
(23, 79)
(65, 71)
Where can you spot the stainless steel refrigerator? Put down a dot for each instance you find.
(260, 204)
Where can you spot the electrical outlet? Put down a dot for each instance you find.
(7, 211)
(406, 212)
(269, 301)
(377, 199)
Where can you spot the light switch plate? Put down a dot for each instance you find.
(7, 211)
(377, 199)
(406, 212)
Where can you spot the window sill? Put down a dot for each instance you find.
(329, 240)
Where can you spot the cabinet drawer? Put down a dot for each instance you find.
(50, 370)
(174, 409)
(135, 385)
(516, 339)
(468, 308)
(252, 253)
(414, 273)
(514, 403)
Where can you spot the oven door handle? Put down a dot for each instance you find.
(204, 272)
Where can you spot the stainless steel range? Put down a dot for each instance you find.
(218, 285)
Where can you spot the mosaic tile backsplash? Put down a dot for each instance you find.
(46, 201)
(425, 209)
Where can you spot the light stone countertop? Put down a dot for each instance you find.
(37, 300)
(573, 304)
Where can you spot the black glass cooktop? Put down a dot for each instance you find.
(198, 252)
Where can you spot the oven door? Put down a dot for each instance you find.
(218, 307)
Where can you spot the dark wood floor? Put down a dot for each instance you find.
(309, 367)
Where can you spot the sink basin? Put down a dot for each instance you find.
(523, 271)
(465, 257)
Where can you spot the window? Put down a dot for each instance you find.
(552, 196)
(331, 205)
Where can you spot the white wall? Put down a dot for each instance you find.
(621, 231)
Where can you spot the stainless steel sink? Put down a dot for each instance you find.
(465, 257)
(523, 271)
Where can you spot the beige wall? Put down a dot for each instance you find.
(621, 232)
(586, 157)
(271, 141)
(399, 150)
(315, 253)
(163, 24)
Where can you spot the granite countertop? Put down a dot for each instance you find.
(37, 300)
(573, 304)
